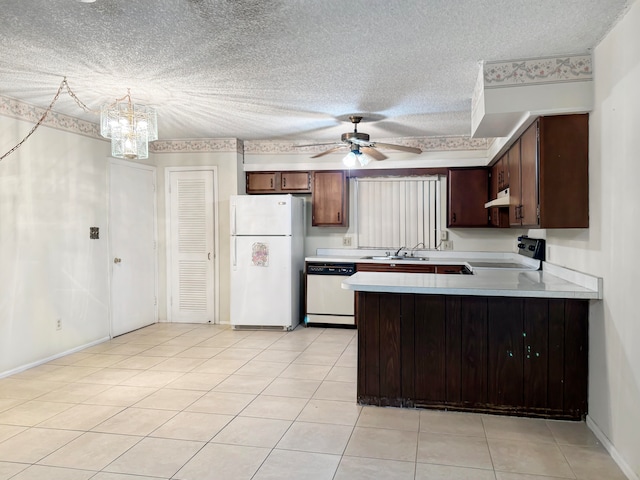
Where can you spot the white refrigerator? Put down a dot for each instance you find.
(267, 260)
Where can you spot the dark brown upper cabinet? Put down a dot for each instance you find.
(468, 191)
(549, 185)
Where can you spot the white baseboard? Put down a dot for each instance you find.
(52, 357)
(624, 466)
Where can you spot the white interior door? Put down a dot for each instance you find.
(132, 230)
(192, 255)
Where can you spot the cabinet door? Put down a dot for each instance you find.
(466, 347)
(576, 357)
(494, 182)
(499, 217)
(505, 352)
(500, 175)
(504, 168)
(430, 354)
(261, 182)
(467, 193)
(536, 353)
(515, 193)
(379, 348)
(329, 199)
(529, 176)
(295, 181)
(564, 171)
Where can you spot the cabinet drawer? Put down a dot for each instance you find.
(395, 267)
(455, 269)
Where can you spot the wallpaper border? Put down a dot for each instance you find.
(558, 69)
(30, 113)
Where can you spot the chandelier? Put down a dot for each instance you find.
(130, 126)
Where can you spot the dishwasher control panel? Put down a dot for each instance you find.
(341, 269)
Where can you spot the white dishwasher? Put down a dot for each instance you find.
(327, 302)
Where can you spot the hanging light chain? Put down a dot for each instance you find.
(42, 118)
(149, 115)
(81, 104)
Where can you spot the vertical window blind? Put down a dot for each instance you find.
(396, 212)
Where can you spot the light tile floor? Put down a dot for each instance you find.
(198, 402)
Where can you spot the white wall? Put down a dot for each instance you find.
(607, 249)
(51, 191)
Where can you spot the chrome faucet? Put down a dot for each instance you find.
(416, 246)
(397, 254)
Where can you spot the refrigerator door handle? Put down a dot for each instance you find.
(233, 219)
(235, 251)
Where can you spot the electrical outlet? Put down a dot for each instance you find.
(346, 241)
(59, 324)
(447, 245)
(444, 235)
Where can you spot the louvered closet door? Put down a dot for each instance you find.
(192, 249)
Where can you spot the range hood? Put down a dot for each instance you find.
(501, 201)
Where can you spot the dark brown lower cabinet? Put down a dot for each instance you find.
(521, 356)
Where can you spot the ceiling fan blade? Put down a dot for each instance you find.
(373, 153)
(397, 147)
(331, 150)
(316, 144)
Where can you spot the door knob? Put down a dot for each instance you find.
(117, 260)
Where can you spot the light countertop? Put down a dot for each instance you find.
(494, 283)
(525, 280)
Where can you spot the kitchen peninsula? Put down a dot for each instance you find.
(499, 341)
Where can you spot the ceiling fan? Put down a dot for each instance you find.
(358, 144)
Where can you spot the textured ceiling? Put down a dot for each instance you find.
(284, 69)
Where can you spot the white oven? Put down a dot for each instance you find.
(327, 301)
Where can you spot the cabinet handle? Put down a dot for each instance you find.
(271, 183)
(284, 182)
(453, 218)
(338, 216)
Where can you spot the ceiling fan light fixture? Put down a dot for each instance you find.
(350, 159)
(364, 159)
